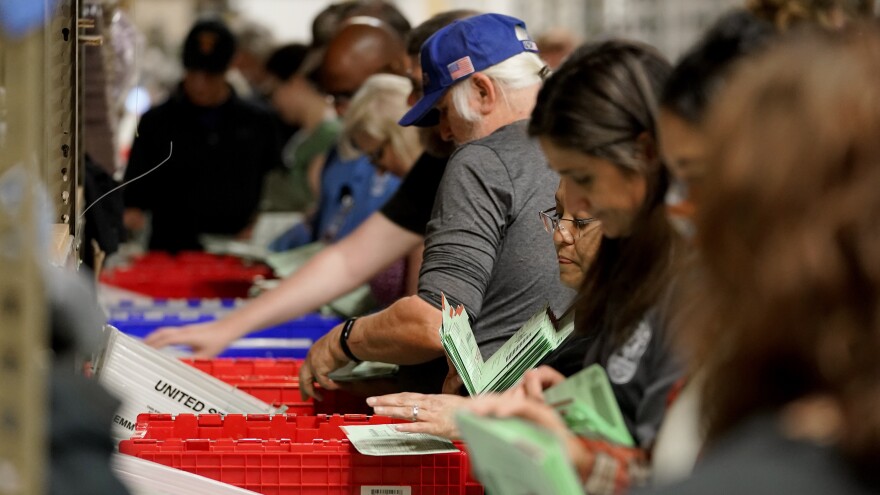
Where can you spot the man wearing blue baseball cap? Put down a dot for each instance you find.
(484, 246)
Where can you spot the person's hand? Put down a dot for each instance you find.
(535, 382)
(324, 357)
(206, 339)
(533, 411)
(452, 383)
(432, 414)
(539, 413)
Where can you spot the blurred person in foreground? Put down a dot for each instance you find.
(223, 147)
(828, 14)
(386, 236)
(690, 91)
(787, 227)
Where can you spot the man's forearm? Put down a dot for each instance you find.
(406, 333)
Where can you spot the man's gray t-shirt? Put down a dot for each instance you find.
(485, 246)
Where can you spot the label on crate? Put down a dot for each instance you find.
(386, 490)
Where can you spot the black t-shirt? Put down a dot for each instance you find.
(213, 180)
(411, 205)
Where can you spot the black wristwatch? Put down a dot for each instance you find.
(343, 339)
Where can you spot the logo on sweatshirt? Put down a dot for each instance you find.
(623, 364)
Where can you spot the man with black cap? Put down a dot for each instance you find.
(485, 247)
(222, 149)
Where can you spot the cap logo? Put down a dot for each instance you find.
(460, 68)
(207, 42)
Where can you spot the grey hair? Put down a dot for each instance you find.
(520, 71)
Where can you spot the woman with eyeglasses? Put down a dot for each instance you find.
(596, 120)
(576, 236)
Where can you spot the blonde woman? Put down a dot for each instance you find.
(370, 126)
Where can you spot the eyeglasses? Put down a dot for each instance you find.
(552, 223)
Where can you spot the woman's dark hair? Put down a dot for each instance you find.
(285, 61)
(603, 102)
(790, 239)
(701, 72)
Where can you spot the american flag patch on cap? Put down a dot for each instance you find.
(460, 68)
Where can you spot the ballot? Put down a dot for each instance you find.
(523, 351)
(385, 440)
(514, 457)
(365, 370)
(587, 404)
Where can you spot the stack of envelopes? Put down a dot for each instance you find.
(147, 380)
(523, 351)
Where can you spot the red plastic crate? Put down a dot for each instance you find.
(187, 275)
(234, 368)
(299, 429)
(285, 467)
(276, 382)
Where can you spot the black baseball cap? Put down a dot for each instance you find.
(209, 46)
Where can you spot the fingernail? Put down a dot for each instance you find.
(371, 401)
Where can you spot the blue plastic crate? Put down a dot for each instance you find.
(289, 340)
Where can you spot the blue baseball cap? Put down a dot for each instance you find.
(460, 49)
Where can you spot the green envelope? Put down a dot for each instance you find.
(587, 403)
(523, 351)
(514, 457)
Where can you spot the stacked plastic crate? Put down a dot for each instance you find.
(293, 455)
(187, 275)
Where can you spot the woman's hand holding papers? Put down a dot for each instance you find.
(534, 382)
(436, 413)
(517, 405)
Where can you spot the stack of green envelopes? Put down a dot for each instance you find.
(523, 351)
(513, 457)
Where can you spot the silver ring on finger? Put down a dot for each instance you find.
(415, 413)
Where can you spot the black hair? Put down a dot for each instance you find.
(699, 74)
(209, 46)
(285, 61)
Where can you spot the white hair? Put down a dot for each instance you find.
(520, 71)
(375, 109)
